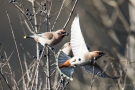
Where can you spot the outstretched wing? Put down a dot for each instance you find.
(77, 41)
(96, 70)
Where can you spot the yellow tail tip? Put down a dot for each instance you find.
(24, 37)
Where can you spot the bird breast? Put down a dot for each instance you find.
(79, 60)
(52, 41)
(44, 41)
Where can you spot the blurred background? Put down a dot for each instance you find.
(107, 25)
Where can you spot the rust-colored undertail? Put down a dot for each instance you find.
(65, 64)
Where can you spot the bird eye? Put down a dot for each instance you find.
(79, 59)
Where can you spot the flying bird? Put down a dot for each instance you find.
(82, 56)
(49, 38)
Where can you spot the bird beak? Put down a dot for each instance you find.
(65, 33)
(101, 54)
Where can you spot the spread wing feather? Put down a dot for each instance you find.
(96, 70)
(77, 41)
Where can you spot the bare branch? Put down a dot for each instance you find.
(70, 15)
(58, 15)
(15, 42)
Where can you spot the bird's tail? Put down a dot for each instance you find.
(64, 71)
(30, 36)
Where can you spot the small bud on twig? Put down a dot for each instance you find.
(1, 56)
(27, 9)
(27, 13)
(44, 4)
(34, 56)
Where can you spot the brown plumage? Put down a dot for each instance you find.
(50, 38)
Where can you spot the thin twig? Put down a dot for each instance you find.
(7, 60)
(25, 50)
(5, 80)
(28, 77)
(1, 84)
(70, 15)
(26, 17)
(62, 9)
(9, 67)
(15, 42)
(58, 15)
(99, 73)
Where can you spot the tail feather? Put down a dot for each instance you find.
(28, 36)
(33, 36)
(65, 71)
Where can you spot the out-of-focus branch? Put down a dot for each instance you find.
(120, 14)
(62, 9)
(58, 15)
(70, 14)
(5, 80)
(9, 67)
(132, 2)
(1, 84)
(15, 42)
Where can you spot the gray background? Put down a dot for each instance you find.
(96, 34)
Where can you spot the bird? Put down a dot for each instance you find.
(82, 56)
(49, 38)
(66, 48)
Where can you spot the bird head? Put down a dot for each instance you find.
(62, 33)
(98, 54)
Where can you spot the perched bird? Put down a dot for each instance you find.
(49, 38)
(82, 56)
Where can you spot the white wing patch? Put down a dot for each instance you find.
(77, 41)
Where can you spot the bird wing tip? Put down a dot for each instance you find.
(115, 77)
